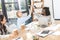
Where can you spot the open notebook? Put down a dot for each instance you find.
(44, 33)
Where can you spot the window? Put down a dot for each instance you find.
(11, 8)
(11, 5)
(0, 7)
(29, 3)
(22, 4)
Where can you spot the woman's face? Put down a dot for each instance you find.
(4, 20)
(43, 12)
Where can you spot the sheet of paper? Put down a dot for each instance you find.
(53, 27)
(12, 27)
(56, 33)
(4, 36)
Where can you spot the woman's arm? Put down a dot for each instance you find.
(50, 21)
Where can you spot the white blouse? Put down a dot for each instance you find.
(43, 19)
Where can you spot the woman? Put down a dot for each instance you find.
(3, 29)
(44, 18)
(46, 13)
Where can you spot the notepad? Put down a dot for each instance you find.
(53, 27)
(44, 33)
(18, 38)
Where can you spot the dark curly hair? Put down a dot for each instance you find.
(46, 11)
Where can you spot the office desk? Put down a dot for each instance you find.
(49, 37)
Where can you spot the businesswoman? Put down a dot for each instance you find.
(3, 29)
(46, 13)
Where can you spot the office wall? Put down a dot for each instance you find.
(56, 9)
(49, 3)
